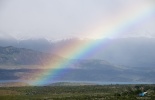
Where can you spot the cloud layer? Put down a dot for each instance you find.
(57, 19)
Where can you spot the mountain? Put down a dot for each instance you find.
(133, 51)
(21, 64)
(19, 56)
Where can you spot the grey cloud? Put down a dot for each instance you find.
(61, 18)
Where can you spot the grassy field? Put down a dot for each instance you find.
(90, 92)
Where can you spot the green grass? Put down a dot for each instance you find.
(98, 92)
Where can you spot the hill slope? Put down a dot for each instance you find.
(19, 56)
(13, 59)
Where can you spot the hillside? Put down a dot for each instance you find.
(19, 56)
(20, 63)
(132, 51)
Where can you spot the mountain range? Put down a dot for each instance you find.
(132, 52)
(20, 63)
(19, 56)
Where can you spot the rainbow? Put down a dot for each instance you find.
(115, 28)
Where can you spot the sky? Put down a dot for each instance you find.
(58, 19)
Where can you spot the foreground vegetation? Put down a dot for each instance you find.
(90, 92)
